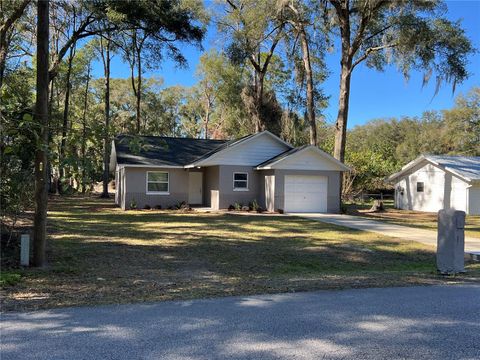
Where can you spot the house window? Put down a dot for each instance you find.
(157, 182)
(240, 181)
(420, 186)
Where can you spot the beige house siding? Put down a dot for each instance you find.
(228, 196)
(217, 182)
(136, 185)
(219, 193)
(265, 186)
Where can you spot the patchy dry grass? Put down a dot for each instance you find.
(100, 254)
(422, 220)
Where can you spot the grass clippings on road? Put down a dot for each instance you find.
(100, 254)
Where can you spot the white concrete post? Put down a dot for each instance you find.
(25, 250)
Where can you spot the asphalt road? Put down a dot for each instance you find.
(438, 322)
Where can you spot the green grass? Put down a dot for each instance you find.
(99, 254)
(9, 278)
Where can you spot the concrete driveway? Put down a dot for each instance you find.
(472, 245)
(437, 322)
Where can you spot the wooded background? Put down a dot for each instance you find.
(266, 73)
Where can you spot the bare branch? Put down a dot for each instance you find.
(272, 49)
(232, 5)
(377, 33)
(78, 34)
(367, 15)
(254, 63)
(370, 50)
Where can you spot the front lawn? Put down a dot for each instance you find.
(100, 254)
(418, 219)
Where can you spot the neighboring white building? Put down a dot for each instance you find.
(431, 182)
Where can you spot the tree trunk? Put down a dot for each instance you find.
(106, 141)
(84, 130)
(343, 13)
(41, 112)
(63, 142)
(343, 101)
(259, 123)
(208, 105)
(309, 78)
(52, 173)
(139, 89)
(207, 120)
(4, 35)
(3, 56)
(136, 58)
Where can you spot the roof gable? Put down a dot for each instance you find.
(307, 157)
(463, 167)
(248, 151)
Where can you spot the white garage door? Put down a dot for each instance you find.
(305, 193)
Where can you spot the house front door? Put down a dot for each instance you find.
(195, 188)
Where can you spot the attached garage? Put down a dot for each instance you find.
(304, 179)
(304, 193)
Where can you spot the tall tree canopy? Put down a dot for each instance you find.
(412, 35)
(382, 146)
(306, 47)
(255, 30)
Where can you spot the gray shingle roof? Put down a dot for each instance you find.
(163, 151)
(282, 155)
(292, 151)
(465, 166)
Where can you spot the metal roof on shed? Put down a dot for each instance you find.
(465, 167)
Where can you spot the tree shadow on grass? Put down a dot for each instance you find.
(135, 256)
(83, 271)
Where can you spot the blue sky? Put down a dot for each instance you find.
(373, 94)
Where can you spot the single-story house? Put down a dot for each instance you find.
(151, 170)
(431, 183)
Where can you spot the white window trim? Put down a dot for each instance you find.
(157, 192)
(233, 181)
